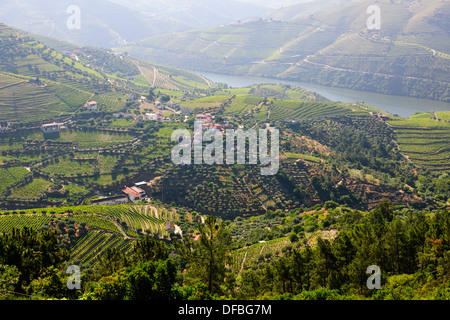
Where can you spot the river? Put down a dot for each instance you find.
(400, 105)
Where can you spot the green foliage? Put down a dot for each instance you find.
(32, 252)
(53, 284)
(9, 278)
(151, 280)
(207, 257)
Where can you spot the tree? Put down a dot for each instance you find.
(165, 98)
(207, 257)
(145, 281)
(148, 249)
(382, 212)
(9, 278)
(151, 280)
(32, 252)
(53, 284)
(111, 262)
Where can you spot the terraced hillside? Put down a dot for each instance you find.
(88, 231)
(171, 78)
(409, 55)
(40, 83)
(425, 140)
(26, 100)
(251, 107)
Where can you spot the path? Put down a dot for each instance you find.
(242, 264)
(116, 224)
(152, 83)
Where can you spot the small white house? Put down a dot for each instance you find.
(51, 127)
(4, 126)
(91, 105)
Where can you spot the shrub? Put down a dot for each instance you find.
(293, 237)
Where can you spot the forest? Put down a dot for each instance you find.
(411, 250)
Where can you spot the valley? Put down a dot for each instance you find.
(88, 177)
(331, 48)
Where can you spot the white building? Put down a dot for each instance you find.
(4, 126)
(91, 105)
(135, 194)
(51, 127)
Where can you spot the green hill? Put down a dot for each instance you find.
(409, 55)
(38, 82)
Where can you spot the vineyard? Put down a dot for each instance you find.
(106, 226)
(20, 220)
(248, 107)
(30, 191)
(424, 140)
(170, 78)
(111, 101)
(248, 257)
(86, 139)
(26, 101)
(87, 249)
(74, 98)
(10, 176)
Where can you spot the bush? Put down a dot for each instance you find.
(293, 237)
(331, 205)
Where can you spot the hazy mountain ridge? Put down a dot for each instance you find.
(103, 23)
(197, 13)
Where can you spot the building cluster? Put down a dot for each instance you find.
(158, 116)
(208, 123)
(131, 194)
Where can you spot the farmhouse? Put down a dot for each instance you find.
(51, 127)
(141, 184)
(4, 126)
(135, 194)
(91, 105)
(173, 104)
(123, 115)
(152, 116)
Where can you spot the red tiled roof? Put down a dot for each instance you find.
(137, 189)
(131, 192)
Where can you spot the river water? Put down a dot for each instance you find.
(400, 105)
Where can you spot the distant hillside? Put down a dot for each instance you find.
(103, 23)
(305, 9)
(409, 56)
(196, 13)
(38, 82)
